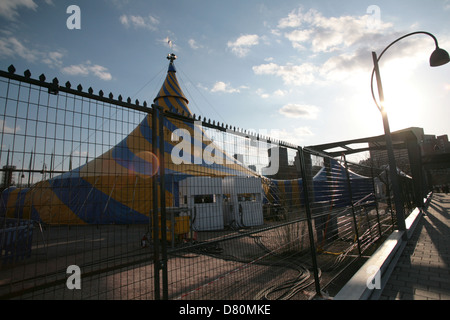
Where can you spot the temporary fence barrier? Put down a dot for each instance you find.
(152, 202)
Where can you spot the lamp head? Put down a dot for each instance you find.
(439, 57)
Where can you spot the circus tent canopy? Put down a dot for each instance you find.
(115, 186)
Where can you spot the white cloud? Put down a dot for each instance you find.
(295, 111)
(298, 75)
(341, 67)
(86, 69)
(221, 86)
(124, 20)
(202, 87)
(11, 47)
(327, 34)
(338, 68)
(78, 153)
(9, 8)
(297, 37)
(149, 22)
(54, 59)
(193, 44)
(303, 131)
(447, 5)
(241, 47)
(406, 56)
(276, 93)
(260, 92)
(6, 129)
(101, 72)
(76, 70)
(293, 20)
(295, 136)
(269, 68)
(346, 41)
(280, 93)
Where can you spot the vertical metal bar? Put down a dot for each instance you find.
(375, 196)
(414, 156)
(156, 260)
(398, 199)
(388, 199)
(162, 194)
(309, 220)
(368, 223)
(349, 185)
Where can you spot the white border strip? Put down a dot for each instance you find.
(363, 285)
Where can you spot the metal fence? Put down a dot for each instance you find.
(104, 198)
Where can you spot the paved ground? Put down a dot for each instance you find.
(423, 270)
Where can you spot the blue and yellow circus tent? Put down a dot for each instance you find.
(116, 187)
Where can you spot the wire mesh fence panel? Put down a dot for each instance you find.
(107, 199)
(245, 237)
(345, 205)
(70, 167)
(270, 263)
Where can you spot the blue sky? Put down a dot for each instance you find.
(296, 70)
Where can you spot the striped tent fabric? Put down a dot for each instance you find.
(115, 187)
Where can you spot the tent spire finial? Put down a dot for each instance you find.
(171, 57)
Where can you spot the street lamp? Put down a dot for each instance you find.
(439, 57)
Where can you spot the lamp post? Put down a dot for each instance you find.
(439, 57)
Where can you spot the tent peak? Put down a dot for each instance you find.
(172, 57)
(171, 95)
